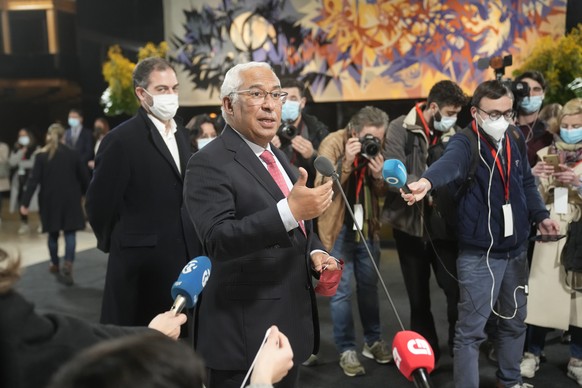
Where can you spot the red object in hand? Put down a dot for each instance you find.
(329, 281)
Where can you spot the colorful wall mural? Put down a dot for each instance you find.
(353, 50)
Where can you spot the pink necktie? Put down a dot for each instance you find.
(273, 169)
(269, 159)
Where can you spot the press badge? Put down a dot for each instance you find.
(507, 220)
(358, 216)
(561, 200)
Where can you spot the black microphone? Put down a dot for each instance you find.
(190, 283)
(325, 167)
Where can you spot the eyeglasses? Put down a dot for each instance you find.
(258, 96)
(496, 115)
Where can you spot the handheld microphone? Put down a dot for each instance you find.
(413, 357)
(190, 283)
(394, 173)
(325, 167)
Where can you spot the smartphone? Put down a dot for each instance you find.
(552, 159)
(547, 237)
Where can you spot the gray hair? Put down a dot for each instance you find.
(368, 116)
(233, 81)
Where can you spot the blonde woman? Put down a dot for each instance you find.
(552, 303)
(63, 179)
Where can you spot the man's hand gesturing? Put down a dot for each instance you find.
(307, 203)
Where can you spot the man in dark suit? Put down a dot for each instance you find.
(79, 138)
(134, 201)
(257, 232)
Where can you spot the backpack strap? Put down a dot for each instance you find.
(515, 133)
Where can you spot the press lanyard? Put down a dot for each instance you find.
(430, 138)
(505, 179)
(360, 178)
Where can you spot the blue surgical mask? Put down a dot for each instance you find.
(290, 111)
(571, 136)
(445, 123)
(531, 104)
(203, 142)
(73, 122)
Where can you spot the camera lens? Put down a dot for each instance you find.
(288, 131)
(370, 146)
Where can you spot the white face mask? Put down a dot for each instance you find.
(24, 140)
(495, 128)
(164, 105)
(203, 142)
(445, 124)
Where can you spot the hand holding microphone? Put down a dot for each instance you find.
(394, 173)
(190, 283)
(168, 323)
(275, 359)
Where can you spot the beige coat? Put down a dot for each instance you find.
(551, 303)
(331, 221)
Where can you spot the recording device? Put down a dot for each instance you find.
(371, 146)
(287, 131)
(413, 357)
(190, 283)
(519, 89)
(547, 237)
(394, 173)
(552, 160)
(325, 167)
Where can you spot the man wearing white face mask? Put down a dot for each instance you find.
(528, 110)
(134, 201)
(300, 134)
(417, 139)
(494, 215)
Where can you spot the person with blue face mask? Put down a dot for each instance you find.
(528, 108)
(417, 139)
(79, 138)
(553, 301)
(300, 134)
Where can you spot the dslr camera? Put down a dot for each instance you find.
(287, 131)
(370, 146)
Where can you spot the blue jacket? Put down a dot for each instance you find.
(473, 208)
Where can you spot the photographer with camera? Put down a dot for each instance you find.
(355, 151)
(300, 134)
(414, 139)
(528, 89)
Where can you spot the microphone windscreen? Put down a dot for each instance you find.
(324, 166)
(192, 280)
(411, 352)
(394, 172)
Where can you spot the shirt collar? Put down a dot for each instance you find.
(161, 127)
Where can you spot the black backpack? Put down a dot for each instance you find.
(442, 216)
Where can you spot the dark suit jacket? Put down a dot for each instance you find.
(84, 144)
(134, 204)
(261, 274)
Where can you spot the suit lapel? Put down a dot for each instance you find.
(160, 144)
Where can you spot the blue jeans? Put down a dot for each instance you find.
(475, 282)
(356, 262)
(70, 245)
(536, 339)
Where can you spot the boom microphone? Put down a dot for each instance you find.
(413, 357)
(190, 283)
(325, 167)
(394, 173)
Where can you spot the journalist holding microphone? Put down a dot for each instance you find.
(253, 216)
(494, 215)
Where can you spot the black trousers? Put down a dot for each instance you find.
(233, 378)
(417, 257)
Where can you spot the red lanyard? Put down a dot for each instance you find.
(360, 180)
(505, 179)
(431, 139)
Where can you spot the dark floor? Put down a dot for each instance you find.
(84, 300)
